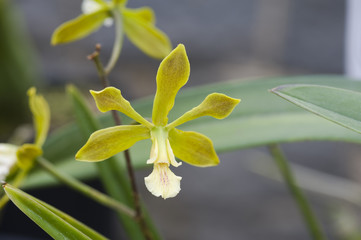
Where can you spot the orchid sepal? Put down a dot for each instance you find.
(216, 105)
(173, 73)
(111, 98)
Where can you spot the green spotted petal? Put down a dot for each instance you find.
(107, 142)
(173, 73)
(193, 148)
(216, 105)
(41, 116)
(79, 27)
(143, 34)
(111, 98)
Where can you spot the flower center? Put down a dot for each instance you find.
(161, 151)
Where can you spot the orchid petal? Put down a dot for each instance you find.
(144, 13)
(120, 2)
(216, 105)
(193, 148)
(26, 155)
(172, 74)
(111, 98)
(143, 34)
(163, 182)
(41, 116)
(107, 142)
(7, 159)
(79, 27)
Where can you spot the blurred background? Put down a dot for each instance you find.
(243, 39)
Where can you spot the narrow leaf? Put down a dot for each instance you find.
(56, 223)
(335, 104)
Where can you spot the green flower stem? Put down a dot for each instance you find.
(16, 183)
(299, 197)
(138, 208)
(85, 189)
(118, 42)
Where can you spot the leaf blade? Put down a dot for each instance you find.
(335, 104)
(56, 223)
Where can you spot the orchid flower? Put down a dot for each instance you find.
(12, 156)
(138, 24)
(168, 141)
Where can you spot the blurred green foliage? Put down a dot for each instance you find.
(18, 70)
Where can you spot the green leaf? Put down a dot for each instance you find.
(143, 34)
(79, 27)
(335, 104)
(260, 119)
(57, 224)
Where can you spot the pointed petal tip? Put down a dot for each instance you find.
(31, 91)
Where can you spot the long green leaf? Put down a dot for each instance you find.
(335, 104)
(56, 223)
(260, 119)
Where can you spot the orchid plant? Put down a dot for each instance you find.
(257, 123)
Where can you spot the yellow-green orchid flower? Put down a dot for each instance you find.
(168, 142)
(137, 24)
(12, 156)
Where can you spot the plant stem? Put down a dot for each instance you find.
(138, 209)
(118, 42)
(85, 189)
(299, 197)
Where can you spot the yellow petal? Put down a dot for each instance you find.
(216, 105)
(144, 13)
(143, 34)
(79, 27)
(107, 142)
(193, 148)
(26, 155)
(41, 116)
(172, 74)
(120, 2)
(163, 182)
(111, 98)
